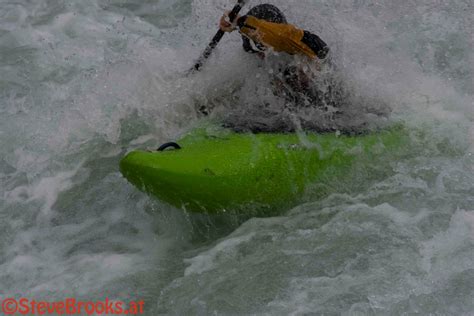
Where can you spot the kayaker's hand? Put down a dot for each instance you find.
(225, 24)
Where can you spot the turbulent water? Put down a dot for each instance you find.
(83, 82)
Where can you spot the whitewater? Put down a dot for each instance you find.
(83, 82)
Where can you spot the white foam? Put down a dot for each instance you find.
(451, 251)
(208, 260)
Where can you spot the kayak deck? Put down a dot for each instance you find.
(217, 170)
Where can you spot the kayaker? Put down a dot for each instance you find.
(265, 30)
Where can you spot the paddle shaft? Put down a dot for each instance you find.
(215, 40)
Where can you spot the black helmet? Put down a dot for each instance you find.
(267, 12)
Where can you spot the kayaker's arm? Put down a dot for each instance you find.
(283, 37)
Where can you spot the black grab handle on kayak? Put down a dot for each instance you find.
(167, 145)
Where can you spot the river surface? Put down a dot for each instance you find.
(84, 81)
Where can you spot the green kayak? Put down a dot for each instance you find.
(217, 170)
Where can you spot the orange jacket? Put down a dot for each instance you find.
(283, 37)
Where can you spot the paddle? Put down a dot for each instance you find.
(215, 40)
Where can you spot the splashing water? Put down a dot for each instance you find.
(85, 81)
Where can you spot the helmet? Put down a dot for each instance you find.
(267, 12)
